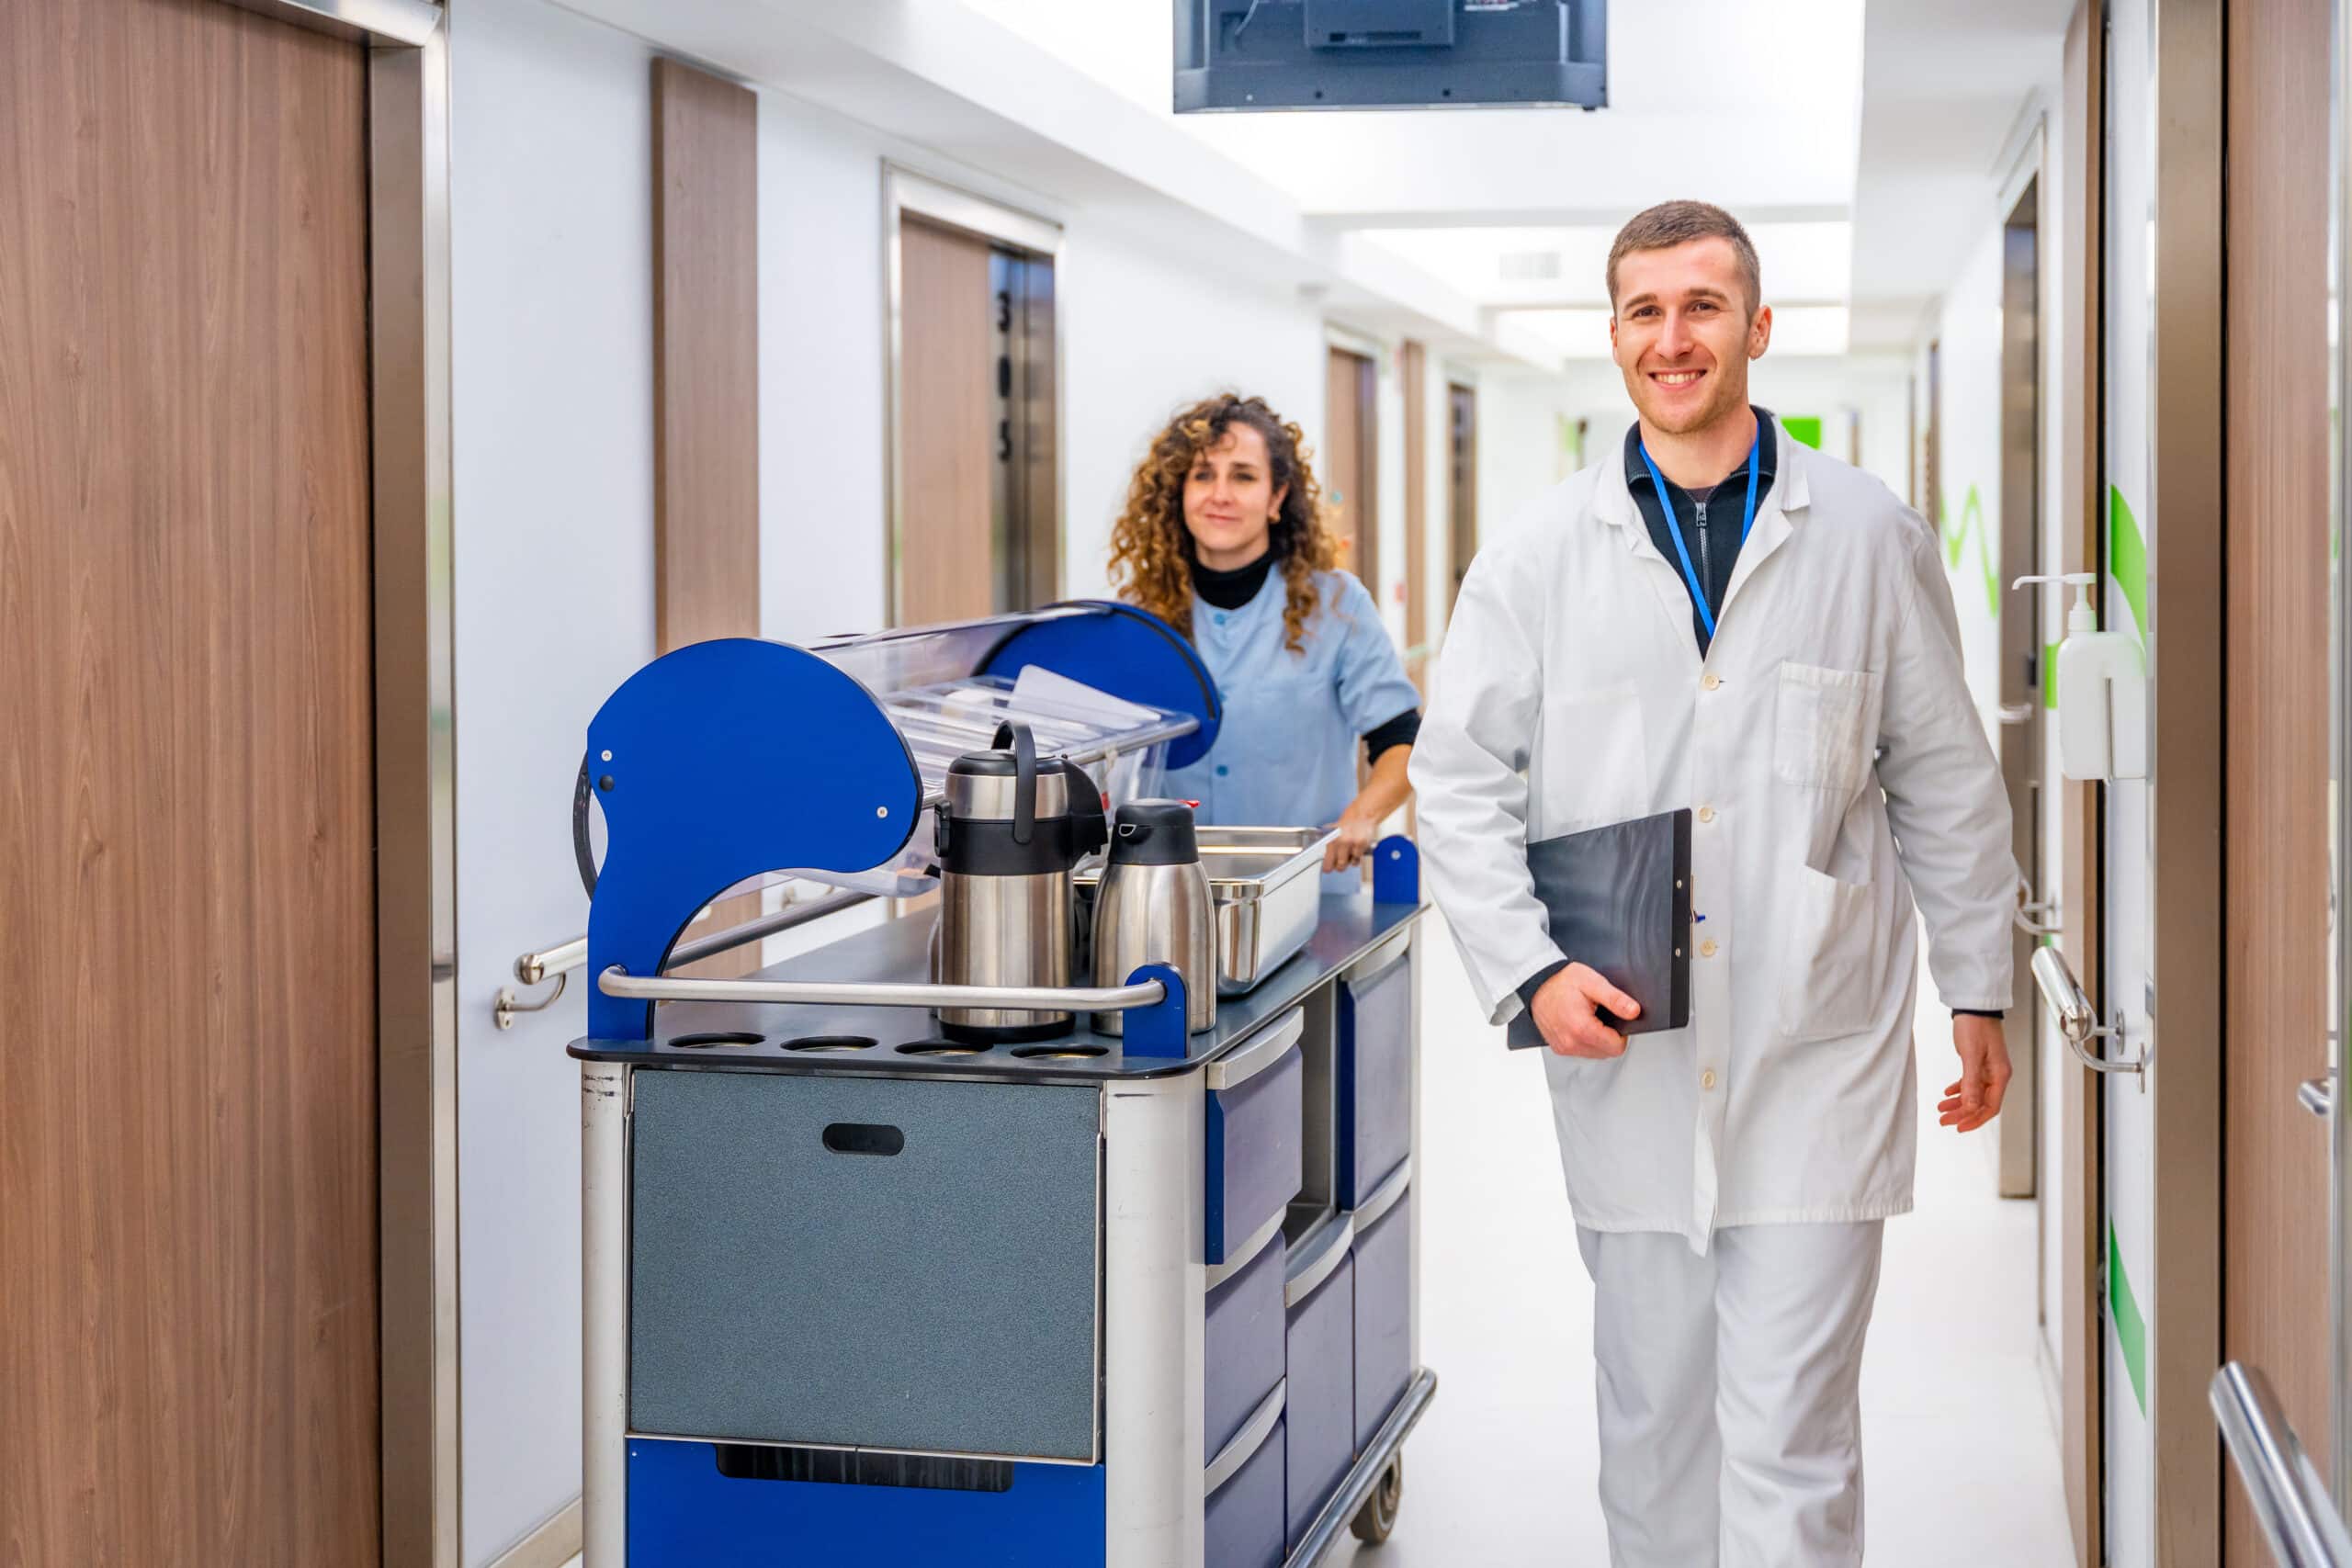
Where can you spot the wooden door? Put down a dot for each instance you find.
(1351, 461)
(1462, 494)
(946, 559)
(706, 394)
(188, 1283)
(1413, 364)
(2275, 1170)
(2024, 716)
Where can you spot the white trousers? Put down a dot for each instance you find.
(1730, 1394)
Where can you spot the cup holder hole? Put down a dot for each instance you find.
(716, 1037)
(942, 1048)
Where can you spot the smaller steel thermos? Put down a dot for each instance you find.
(1154, 907)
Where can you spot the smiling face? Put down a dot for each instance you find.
(1683, 333)
(1231, 500)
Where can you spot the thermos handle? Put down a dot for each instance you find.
(1024, 769)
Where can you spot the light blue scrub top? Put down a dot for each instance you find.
(1285, 756)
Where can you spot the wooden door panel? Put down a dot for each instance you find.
(947, 567)
(2275, 1168)
(188, 1147)
(1348, 467)
(706, 393)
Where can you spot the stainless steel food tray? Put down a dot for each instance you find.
(1268, 883)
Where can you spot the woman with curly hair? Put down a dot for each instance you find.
(1224, 537)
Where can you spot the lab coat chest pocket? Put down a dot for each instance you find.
(1830, 977)
(1596, 759)
(1826, 727)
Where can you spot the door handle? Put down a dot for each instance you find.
(2317, 1096)
(2289, 1500)
(2077, 1020)
(2015, 714)
(2035, 918)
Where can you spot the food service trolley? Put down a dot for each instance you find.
(857, 1294)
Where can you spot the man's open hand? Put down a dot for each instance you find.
(1984, 1049)
(1564, 1010)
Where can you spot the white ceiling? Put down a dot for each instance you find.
(1857, 140)
(1948, 90)
(1773, 130)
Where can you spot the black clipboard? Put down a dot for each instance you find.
(1618, 899)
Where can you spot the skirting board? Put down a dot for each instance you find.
(553, 1544)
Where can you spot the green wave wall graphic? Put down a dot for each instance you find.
(1971, 522)
(2127, 558)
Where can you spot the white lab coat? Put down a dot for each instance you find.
(1837, 769)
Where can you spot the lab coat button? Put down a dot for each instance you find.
(1707, 1078)
(1707, 949)
(1706, 814)
(1712, 681)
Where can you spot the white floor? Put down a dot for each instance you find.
(1961, 1455)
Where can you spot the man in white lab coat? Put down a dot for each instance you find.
(1721, 619)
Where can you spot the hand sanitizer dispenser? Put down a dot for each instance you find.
(2102, 692)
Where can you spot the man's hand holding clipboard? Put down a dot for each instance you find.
(1617, 904)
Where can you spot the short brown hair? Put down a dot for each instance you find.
(1672, 224)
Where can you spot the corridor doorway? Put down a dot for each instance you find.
(975, 496)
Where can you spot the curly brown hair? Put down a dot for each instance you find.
(1151, 550)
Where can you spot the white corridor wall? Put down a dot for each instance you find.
(552, 365)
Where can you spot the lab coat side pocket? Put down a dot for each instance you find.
(1831, 973)
(1825, 729)
(1596, 761)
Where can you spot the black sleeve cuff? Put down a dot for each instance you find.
(1534, 983)
(1402, 731)
(1980, 1012)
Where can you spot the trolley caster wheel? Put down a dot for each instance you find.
(1378, 1515)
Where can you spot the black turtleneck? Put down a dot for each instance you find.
(1232, 589)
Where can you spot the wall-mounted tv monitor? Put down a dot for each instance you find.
(1246, 55)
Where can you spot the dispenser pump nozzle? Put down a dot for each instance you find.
(2082, 615)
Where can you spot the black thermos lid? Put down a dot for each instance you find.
(1154, 832)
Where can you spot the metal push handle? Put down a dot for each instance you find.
(827, 993)
(2317, 1096)
(558, 962)
(2289, 1499)
(2077, 1020)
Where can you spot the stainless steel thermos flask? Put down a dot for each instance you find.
(1008, 831)
(1154, 907)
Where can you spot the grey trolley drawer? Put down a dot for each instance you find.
(1375, 1071)
(1253, 1137)
(881, 1263)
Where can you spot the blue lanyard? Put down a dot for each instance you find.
(1674, 526)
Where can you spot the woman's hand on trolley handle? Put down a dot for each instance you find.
(1568, 1010)
(1359, 825)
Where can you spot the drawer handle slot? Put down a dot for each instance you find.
(864, 1138)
